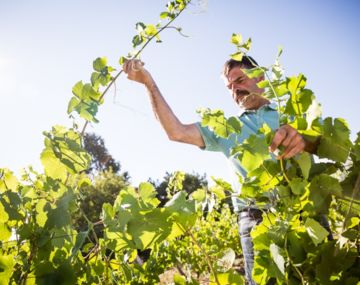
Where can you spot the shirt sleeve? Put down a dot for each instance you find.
(210, 139)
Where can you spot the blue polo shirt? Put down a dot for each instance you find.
(252, 121)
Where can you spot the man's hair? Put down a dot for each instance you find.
(246, 62)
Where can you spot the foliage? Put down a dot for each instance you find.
(106, 184)
(214, 238)
(104, 189)
(191, 182)
(40, 244)
(179, 235)
(290, 244)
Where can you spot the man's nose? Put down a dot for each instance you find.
(233, 91)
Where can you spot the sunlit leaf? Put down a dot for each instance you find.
(236, 39)
(7, 263)
(253, 152)
(199, 195)
(278, 257)
(5, 231)
(335, 141)
(316, 232)
(226, 259)
(304, 160)
(228, 278)
(99, 64)
(237, 56)
(150, 30)
(8, 180)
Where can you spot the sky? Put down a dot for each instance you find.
(47, 46)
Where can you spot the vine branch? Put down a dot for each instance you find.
(167, 25)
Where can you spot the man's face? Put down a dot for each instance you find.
(244, 90)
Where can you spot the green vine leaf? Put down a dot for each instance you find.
(305, 161)
(255, 72)
(8, 180)
(237, 56)
(252, 152)
(7, 264)
(99, 64)
(277, 255)
(321, 189)
(150, 30)
(298, 186)
(5, 230)
(216, 121)
(335, 141)
(236, 39)
(63, 153)
(4, 217)
(58, 215)
(316, 232)
(228, 278)
(356, 147)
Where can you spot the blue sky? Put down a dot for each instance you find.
(46, 47)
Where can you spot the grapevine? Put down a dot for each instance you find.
(195, 235)
(293, 244)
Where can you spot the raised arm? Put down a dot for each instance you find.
(175, 130)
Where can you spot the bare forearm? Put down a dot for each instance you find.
(162, 111)
(187, 133)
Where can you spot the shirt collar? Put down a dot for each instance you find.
(271, 105)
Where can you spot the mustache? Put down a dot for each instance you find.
(242, 92)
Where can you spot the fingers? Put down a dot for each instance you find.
(289, 138)
(279, 136)
(126, 66)
(295, 147)
(136, 65)
(133, 65)
(135, 71)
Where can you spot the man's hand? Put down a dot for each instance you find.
(293, 142)
(135, 71)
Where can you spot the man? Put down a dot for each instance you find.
(256, 111)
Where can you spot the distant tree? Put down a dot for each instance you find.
(105, 188)
(107, 182)
(191, 183)
(101, 159)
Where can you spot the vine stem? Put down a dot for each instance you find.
(348, 200)
(94, 249)
(283, 171)
(273, 90)
(135, 56)
(91, 226)
(292, 264)
(207, 257)
(271, 86)
(24, 276)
